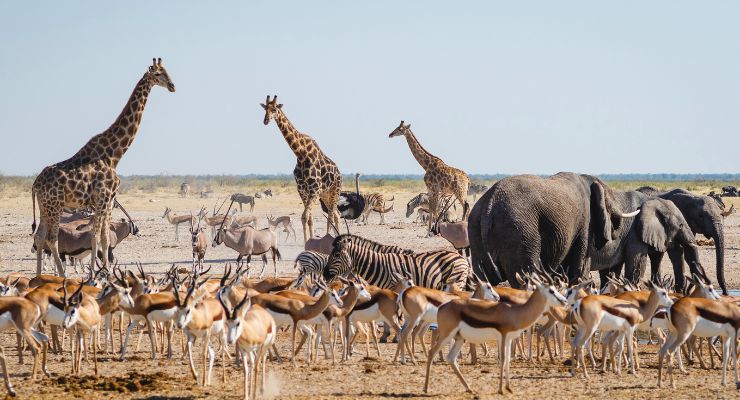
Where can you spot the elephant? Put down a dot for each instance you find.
(659, 228)
(525, 221)
(704, 216)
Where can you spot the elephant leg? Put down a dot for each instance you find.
(675, 254)
(655, 258)
(635, 260)
(576, 263)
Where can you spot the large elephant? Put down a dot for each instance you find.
(659, 228)
(525, 221)
(704, 216)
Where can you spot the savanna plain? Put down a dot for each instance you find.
(363, 376)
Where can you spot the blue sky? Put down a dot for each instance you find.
(490, 87)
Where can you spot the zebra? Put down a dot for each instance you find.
(243, 199)
(376, 202)
(421, 201)
(311, 262)
(380, 265)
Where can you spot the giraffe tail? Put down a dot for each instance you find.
(33, 206)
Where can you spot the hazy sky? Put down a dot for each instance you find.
(490, 87)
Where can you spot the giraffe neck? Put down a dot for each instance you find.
(112, 144)
(290, 133)
(424, 158)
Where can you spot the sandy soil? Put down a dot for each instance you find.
(140, 377)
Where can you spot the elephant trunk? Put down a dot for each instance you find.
(719, 242)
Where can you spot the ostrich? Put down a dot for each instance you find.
(351, 204)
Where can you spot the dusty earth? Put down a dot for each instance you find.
(362, 377)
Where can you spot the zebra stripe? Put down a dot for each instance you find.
(311, 262)
(420, 200)
(432, 269)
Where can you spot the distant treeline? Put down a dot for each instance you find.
(667, 177)
(703, 183)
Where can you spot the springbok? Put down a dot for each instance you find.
(283, 222)
(177, 220)
(253, 330)
(478, 321)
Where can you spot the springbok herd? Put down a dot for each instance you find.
(346, 285)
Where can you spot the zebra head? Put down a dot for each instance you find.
(339, 262)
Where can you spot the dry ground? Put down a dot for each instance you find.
(139, 377)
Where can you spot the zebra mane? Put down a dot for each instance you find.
(370, 244)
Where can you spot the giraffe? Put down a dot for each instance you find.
(441, 179)
(89, 178)
(316, 175)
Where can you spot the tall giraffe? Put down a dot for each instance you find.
(89, 178)
(441, 179)
(316, 175)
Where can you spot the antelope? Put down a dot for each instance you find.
(177, 220)
(478, 321)
(247, 241)
(269, 284)
(702, 318)
(382, 306)
(74, 240)
(454, 232)
(111, 298)
(150, 308)
(420, 305)
(242, 220)
(22, 314)
(199, 241)
(282, 222)
(9, 288)
(184, 190)
(610, 314)
(297, 314)
(217, 219)
(82, 312)
(199, 317)
(702, 289)
(253, 330)
(323, 245)
(356, 292)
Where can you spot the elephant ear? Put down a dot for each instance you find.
(600, 216)
(650, 226)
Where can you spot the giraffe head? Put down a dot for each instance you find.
(158, 75)
(402, 130)
(271, 108)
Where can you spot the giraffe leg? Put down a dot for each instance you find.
(433, 209)
(39, 239)
(307, 219)
(104, 240)
(97, 222)
(52, 240)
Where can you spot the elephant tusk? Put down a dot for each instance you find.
(629, 215)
